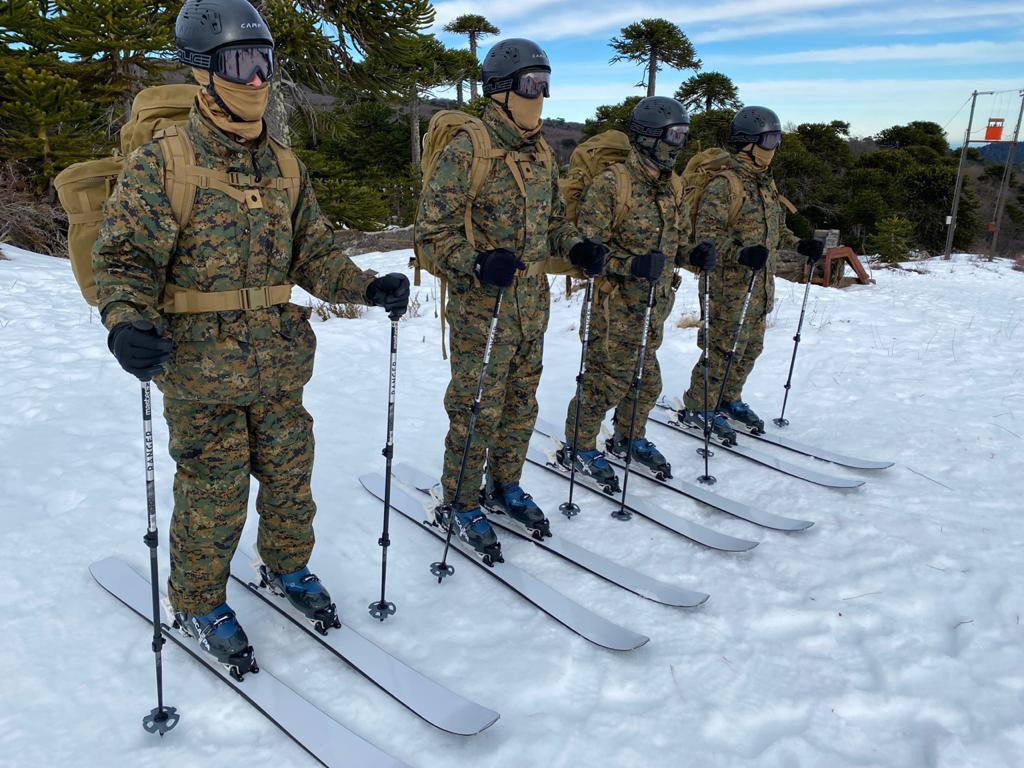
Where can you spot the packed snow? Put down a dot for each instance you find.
(888, 634)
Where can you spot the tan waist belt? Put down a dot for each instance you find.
(182, 301)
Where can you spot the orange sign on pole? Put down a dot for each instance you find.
(994, 129)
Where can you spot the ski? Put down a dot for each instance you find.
(429, 700)
(580, 620)
(627, 578)
(773, 438)
(667, 419)
(694, 491)
(693, 531)
(311, 728)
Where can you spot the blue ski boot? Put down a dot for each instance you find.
(219, 634)
(644, 452)
(510, 499)
(472, 527)
(591, 464)
(740, 412)
(719, 424)
(305, 593)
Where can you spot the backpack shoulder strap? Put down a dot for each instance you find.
(785, 201)
(288, 166)
(623, 192)
(735, 192)
(479, 169)
(178, 157)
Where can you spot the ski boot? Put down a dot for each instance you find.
(740, 412)
(513, 501)
(719, 425)
(472, 527)
(305, 593)
(644, 452)
(591, 464)
(219, 634)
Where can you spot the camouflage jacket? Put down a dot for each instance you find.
(533, 226)
(655, 219)
(229, 356)
(761, 220)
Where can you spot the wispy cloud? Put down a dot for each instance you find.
(907, 20)
(974, 51)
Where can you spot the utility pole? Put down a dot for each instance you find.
(1004, 187)
(951, 219)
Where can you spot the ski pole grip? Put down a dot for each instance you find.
(754, 257)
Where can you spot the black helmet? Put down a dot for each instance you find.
(508, 58)
(756, 125)
(204, 26)
(651, 116)
(658, 129)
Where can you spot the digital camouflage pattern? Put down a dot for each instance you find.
(760, 220)
(656, 219)
(217, 447)
(534, 227)
(239, 356)
(233, 386)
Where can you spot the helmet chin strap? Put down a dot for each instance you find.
(220, 102)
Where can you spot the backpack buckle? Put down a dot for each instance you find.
(254, 298)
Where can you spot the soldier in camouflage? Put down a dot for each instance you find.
(651, 227)
(518, 222)
(203, 310)
(758, 224)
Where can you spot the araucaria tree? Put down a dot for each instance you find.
(653, 43)
(708, 91)
(474, 26)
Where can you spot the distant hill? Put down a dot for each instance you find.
(998, 153)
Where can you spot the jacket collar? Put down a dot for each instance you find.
(506, 134)
(210, 140)
(638, 170)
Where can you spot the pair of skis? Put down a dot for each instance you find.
(331, 743)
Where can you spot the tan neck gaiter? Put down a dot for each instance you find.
(525, 113)
(761, 159)
(246, 101)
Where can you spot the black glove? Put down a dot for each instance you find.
(390, 292)
(648, 266)
(139, 348)
(497, 267)
(704, 255)
(754, 256)
(589, 256)
(811, 248)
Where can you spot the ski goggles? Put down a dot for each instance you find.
(533, 85)
(769, 140)
(676, 135)
(241, 63)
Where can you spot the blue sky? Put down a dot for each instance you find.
(873, 63)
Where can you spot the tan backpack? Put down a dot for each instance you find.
(699, 172)
(157, 112)
(588, 161)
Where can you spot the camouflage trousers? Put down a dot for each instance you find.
(611, 366)
(508, 409)
(217, 447)
(725, 314)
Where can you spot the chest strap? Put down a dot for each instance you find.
(178, 300)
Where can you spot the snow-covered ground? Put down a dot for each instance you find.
(889, 634)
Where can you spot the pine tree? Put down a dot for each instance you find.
(116, 40)
(474, 26)
(707, 91)
(610, 117)
(652, 43)
(891, 240)
(47, 125)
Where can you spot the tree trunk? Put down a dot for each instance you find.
(472, 81)
(414, 128)
(276, 115)
(652, 72)
(459, 96)
(707, 104)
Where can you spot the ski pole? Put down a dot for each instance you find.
(442, 568)
(381, 609)
(707, 478)
(162, 719)
(568, 508)
(755, 258)
(622, 513)
(782, 421)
